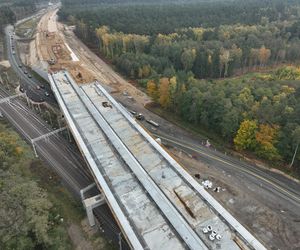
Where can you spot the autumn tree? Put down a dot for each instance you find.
(245, 137)
(152, 89)
(264, 55)
(224, 61)
(245, 98)
(173, 90)
(164, 94)
(266, 138)
(236, 54)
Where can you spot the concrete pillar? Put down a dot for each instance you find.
(90, 204)
(90, 215)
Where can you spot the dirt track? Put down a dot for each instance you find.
(267, 218)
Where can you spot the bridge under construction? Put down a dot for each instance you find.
(156, 203)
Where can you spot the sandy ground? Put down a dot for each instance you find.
(269, 222)
(103, 72)
(5, 64)
(55, 40)
(50, 45)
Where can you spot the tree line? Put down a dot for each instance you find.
(208, 52)
(256, 112)
(150, 18)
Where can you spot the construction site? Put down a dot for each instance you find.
(55, 48)
(52, 49)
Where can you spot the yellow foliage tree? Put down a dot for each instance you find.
(146, 70)
(152, 89)
(264, 55)
(172, 89)
(164, 95)
(224, 61)
(266, 137)
(245, 137)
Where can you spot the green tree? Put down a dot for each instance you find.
(296, 140)
(188, 58)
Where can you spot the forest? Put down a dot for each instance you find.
(198, 59)
(12, 10)
(29, 219)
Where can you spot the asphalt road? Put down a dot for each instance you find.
(31, 86)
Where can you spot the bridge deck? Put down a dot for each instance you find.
(139, 217)
(162, 205)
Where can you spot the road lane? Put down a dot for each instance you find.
(30, 84)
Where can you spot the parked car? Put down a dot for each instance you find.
(132, 112)
(47, 93)
(140, 117)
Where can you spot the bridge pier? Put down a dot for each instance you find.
(91, 203)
